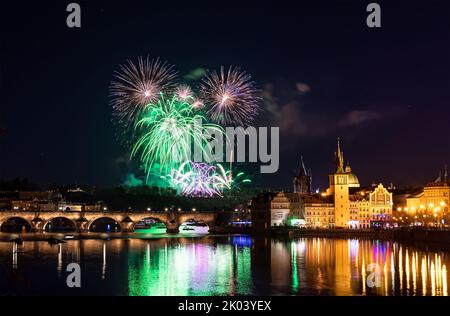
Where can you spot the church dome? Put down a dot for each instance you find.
(353, 181)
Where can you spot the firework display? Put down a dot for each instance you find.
(170, 132)
(136, 85)
(201, 179)
(232, 95)
(164, 121)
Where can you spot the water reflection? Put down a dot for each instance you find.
(339, 267)
(230, 265)
(188, 269)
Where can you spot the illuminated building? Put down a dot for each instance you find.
(434, 194)
(344, 204)
(282, 206)
(318, 210)
(429, 205)
(372, 207)
(275, 209)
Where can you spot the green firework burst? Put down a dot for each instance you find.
(170, 131)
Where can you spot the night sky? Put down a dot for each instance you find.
(324, 74)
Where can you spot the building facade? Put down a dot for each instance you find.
(345, 204)
(318, 210)
(434, 198)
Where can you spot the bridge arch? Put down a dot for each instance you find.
(62, 223)
(15, 224)
(149, 224)
(105, 224)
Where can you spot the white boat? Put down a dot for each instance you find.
(193, 226)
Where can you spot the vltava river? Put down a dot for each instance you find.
(223, 265)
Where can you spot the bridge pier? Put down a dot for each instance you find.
(82, 225)
(212, 227)
(127, 225)
(37, 224)
(172, 227)
(35, 228)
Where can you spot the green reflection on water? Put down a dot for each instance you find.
(189, 269)
(294, 267)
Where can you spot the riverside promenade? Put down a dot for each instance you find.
(413, 234)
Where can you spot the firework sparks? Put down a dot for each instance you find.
(232, 96)
(201, 179)
(197, 104)
(136, 85)
(170, 130)
(184, 93)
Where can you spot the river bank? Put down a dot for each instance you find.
(410, 234)
(406, 234)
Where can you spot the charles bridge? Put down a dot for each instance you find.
(83, 220)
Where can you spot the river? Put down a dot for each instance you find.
(144, 265)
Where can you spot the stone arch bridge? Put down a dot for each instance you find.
(83, 220)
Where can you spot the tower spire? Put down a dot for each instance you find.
(439, 178)
(302, 170)
(302, 181)
(339, 157)
(446, 173)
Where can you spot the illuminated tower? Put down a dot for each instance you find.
(302, 181)
(339, 183)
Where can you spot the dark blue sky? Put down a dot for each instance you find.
(385, 92)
